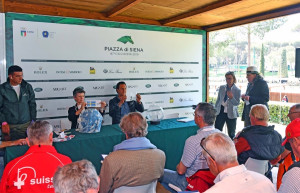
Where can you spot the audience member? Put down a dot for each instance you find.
(221, 156)
(76, 177)
(17, 105)
(257, 93)
(226, 105)
(287, 157)
(290, 180)
(258, 141)
(192, 159)
(75, 111)
(135, 161)
(33, 172)
(119, 107)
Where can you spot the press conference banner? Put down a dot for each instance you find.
(56, 57)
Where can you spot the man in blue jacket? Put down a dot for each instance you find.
(118, 106)
(17, 105)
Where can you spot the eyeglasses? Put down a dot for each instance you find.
(205, 149)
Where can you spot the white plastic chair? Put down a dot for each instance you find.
(171, 116)
(148, 188)
(259, 166)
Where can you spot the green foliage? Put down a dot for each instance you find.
(262, 60)
(278, 113)
(283, 67)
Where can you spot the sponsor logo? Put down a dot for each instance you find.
(186, 71)
(60, 89)
(125, 40)
(176, 85)
(40, 71)
(189, 84)
(171, 100)
(62, 108)
(92, 70)
(185, 100)
(148, 85)
(45, 34)
(68, 72)
(25, 33)
(159, 102)
(42, 109)
(115, 87)
(162, 85)
(132, 86)
(111, 71)
(188, 113)
(98, 87)
(134, 70)
(171, 70)
(154, 71)
(38, 89)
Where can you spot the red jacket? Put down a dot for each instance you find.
(33, 172)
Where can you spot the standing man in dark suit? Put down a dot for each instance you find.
(118, 106)
(257, 93)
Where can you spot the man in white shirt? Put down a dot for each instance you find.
(290, 180)
(221, 156)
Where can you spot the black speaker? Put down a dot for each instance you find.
(297, 63)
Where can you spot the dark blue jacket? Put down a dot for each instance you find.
(265, 143)
(14, 110)
(115, 110)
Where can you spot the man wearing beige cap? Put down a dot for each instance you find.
(257, 93)
(290, 180)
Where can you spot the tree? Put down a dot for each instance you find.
(262, 60)
(283, 67)
(259, 29)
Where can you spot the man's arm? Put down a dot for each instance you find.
(32, 103)
(181, 169)
(4, 144)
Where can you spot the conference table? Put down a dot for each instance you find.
(169, 136)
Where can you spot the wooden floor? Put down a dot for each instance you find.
(161, 189)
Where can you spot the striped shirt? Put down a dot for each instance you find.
(290, 181)
(192, 157)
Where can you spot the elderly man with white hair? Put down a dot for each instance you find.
(76, 177)
(258, 141)
(135, 161)
(221, 156)
(33, 172)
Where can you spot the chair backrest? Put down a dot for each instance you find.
(259, 166)
(148, 188)
(171, 116)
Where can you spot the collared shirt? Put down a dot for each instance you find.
(290, 181)
(192, 157)
(124, 109)
(238, 179)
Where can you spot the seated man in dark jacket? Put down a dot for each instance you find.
(119, 107)
(258, 141)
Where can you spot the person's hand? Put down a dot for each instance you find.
(122, 100)
(245, 97)
(103, 104)
(229, 94)
(138, 98)
(21, 142)
(83, 104)
(5, 129)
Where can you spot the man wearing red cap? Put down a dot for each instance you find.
(290, 180)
